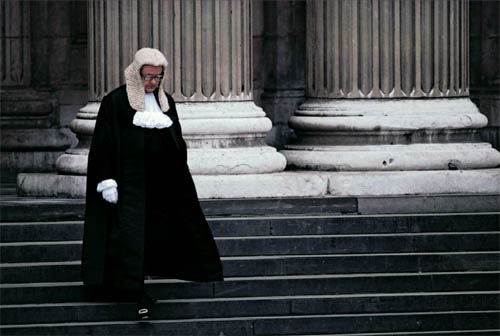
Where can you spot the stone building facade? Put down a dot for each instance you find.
(276, 98)
(44, 77)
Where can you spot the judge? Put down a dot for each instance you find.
(142, 214)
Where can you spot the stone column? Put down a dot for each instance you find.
(485, 65)
(31, 138)
(113, 37)
(388, 103)
(283, 65)
(208, 46)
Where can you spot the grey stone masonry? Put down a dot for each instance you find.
(387, 90)
(208, 46)
(30, 137)
(387, 49)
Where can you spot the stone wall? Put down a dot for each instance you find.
(60, 32)
(485, 66)
(59, 54)
(279, 63)
(43, 81)
(48, 68)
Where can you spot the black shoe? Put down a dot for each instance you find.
(143, 308)
(142, 313)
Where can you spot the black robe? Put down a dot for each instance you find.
(157, 227)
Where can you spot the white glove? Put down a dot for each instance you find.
(109, 190)
(110, 194)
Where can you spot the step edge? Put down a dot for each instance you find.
(317, 236)
(251, 318)
(266, 278)
(280, 257)
(259, 298)
(291, 216)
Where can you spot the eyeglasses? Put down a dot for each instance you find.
(149, 78)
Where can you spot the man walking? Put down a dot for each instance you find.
(142, 213)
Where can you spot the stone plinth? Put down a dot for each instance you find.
(299, 184)
(396, 134)
(29, 136)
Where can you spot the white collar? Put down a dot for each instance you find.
(152, 116)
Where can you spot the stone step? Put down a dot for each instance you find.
(442, 323)
(483, 332)
(58, 292)
(284, 245)
(279, 206)
(332, 266)
(256, 306)
(429, 203)
(288, 265)
(7, 188)
(23, 209)
(282, 225)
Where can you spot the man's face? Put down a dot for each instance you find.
(151, 77)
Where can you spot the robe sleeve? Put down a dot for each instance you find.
(100, 164)
(99, 214)
(177, 128)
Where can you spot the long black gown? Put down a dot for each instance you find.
(157, 228)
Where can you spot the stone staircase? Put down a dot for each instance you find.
(317, 266)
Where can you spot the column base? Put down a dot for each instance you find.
(226, 138)
(389, 135)
(51, 185)
(231, 161)
(297, 184)
(393, 157)
(12, 163)
(223, 138)
(31, 150)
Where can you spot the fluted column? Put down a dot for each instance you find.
(112, 40)
(387, 87)
(387, 49)
(208, 47)
(388, 106)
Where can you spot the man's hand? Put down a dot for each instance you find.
(110, 194)
(109, 190)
